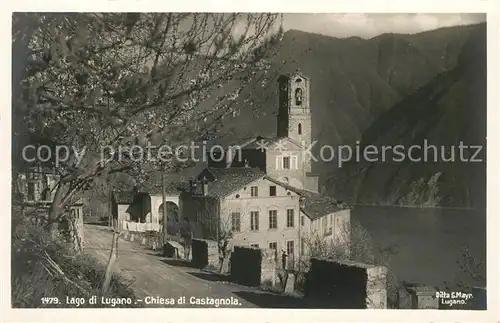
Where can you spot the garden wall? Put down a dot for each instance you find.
(204, 253)
(346, 284)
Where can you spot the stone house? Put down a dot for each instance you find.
(256, 210)
(121, 202)
(145, 205)
(259, 211)
(263, 189)
(325, 220)
(36, 184)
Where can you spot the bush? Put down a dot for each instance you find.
(360, 248)
(44, 267)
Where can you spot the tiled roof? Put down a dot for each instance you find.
(228, 180)
(124, 197)
(256, 142)
(155, 187)
(315, 205)
(174, 182)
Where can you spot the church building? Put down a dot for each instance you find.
(264, 191)
(286, 156)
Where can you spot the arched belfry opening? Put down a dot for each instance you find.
(298, 96)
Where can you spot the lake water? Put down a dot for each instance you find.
(427, 243)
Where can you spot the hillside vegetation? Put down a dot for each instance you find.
(386, 90)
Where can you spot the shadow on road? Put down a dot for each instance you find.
(267, 300)
(214, 277)
(97, 223)
(156, 254)
(178, 263)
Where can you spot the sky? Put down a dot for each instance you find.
(370, 25)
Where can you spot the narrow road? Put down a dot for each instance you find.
(152, 276)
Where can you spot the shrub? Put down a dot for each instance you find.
(361, 248)
(46, 267)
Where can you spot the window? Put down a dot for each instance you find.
(31, 191)
(272, 190)
(273, 219)
(302, 220)
(254, 191)
(254, 221)
(299, 130)
(255, 245)
(290, 218)
(290, 247)
(286, 162)
(235, 221)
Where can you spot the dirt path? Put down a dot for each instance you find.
(152, 276)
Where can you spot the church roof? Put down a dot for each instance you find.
(260, 141)
(293, 74)
(224, 181)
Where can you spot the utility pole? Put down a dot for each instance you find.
(110, 207)
(164, 204)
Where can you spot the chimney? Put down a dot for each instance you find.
(204, 187)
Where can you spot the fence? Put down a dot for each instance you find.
(140, 227)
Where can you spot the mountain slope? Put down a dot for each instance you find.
(447, 111)
(353, 80)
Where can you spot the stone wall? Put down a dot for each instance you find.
(479, 298)
(252, 266)
(268, 266)
(246, 266)
(345, 284)
(423, 297)
(204, 253)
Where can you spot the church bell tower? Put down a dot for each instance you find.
(294, 113)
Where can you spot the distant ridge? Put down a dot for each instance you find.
(354, 83)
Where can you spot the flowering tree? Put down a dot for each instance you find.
(94, 83)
